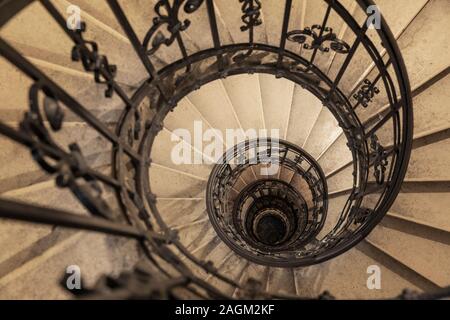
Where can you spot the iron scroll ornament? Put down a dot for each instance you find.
(71, 169)
(318, 42)
(251, 17)
(170, 18)
(87, 52)
(380, 159)
(366, 93)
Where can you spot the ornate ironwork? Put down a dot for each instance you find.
(380, 161)
(71, 168)
(251, 18)
(168, 15)
(87, 53)
(359, 215)
(366, 93)
(318, 40)
(252, 14)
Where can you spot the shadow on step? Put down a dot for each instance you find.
(397, 267)
(416, 229)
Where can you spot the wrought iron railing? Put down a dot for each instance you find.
(230, 207)
(380, 149)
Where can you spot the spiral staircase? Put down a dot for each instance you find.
(90, 118)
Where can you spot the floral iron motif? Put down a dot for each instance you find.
(168, 15)
(318, 39)
(359, 215)
(87, 52)
(70, 168)
(251, 10)
(379, 159)
(251, 18)
(366, 93)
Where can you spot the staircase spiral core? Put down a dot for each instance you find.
(269, 221)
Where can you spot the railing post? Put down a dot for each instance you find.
(214, 30)
(287, 15)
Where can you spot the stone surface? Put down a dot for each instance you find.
(325, 131)
(346, 276)
(95, 254)
(425, 256)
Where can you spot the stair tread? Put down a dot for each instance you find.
(277, 95)
(430, 161)
(281, 280)
(423, 206)
(41, 24)
(95, 254)
(232, 269)
(304, 113)
(423, 255)
(182, 186)
(346, 276)
(325, 131)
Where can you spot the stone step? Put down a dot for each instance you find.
(78, 84)
(421, 62)
(424, 255)
(95, 149)
(183, 211)
(346, 277)
(181, 185)
(33, 25)
(361, 64)
(95, 254)
(277, 97)
(429, 159)
(216, 251)
(173, 153)
(244, 92)
(232, 268)
(19, 236)
(335, 207)
(305, 110)
(256, 272)
(324, 132)
(281, 280)
(341, 181)
(31, 174)
(424, 201)
(215, 106)
(429, 229)
(194, 233)
(336, 155)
